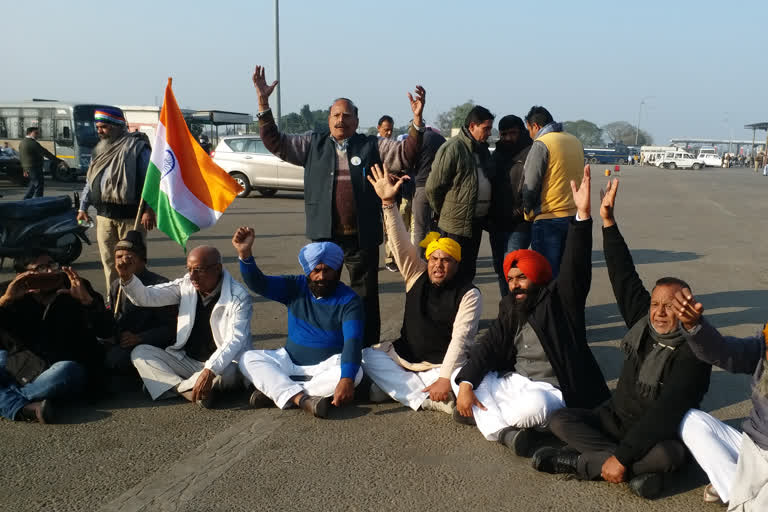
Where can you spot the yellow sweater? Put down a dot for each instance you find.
(566, 163)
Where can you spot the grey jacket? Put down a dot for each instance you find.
(737, 355)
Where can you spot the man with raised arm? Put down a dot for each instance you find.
(339, 204)
(534, 359)
(442, 312)
(633, 436)
(320, 363)
(212, 330)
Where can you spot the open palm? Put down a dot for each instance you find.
(581, 194)
(384, 184)
(260, 82)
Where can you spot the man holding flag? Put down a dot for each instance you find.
(339, 204)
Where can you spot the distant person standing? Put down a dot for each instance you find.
(205, 143)
(113, 185)
(459, 186)
(384, 128)
(32, 155)
(555, 159)
(421, 211)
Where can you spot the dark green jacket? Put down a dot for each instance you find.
(452, 185)
(31, 154)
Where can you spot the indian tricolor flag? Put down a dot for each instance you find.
(187, 191)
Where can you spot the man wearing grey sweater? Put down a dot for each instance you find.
(736, 463)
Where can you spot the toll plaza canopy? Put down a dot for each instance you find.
(235, 123)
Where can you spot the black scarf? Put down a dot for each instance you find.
(652, 366)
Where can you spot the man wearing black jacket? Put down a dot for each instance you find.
(534, 359)
(48, 344)
(633, 436)
(32, 155)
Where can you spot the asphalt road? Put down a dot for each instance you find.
(128, 453)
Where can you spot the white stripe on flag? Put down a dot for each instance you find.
(172, 184)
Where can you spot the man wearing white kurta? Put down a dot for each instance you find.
(442, 312)
(213, 329)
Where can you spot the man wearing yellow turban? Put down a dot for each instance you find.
(442, 312)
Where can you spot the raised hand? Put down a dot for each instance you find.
(581, 195)
(385, 185)
(242, 241)
(417, 103)
(608, 201)
(687, 309)
(77, 290)
(263, 89)
(17, 288)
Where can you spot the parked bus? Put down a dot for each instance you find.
(66, 129)
(618, 154)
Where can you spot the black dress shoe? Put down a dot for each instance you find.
(259, 400)
(555, 461)
(647, 485)
(464, 420)
(516, 439)
(317, 406)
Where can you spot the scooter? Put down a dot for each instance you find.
(48, 223)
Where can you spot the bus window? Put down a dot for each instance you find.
(64, 132)
(3, 129)
(46, 124)
(85, 129)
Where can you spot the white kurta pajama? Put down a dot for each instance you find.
(163, 370)
(512, 401)
(403, 380)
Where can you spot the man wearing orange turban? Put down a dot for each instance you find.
(442, 312)
(534, 359)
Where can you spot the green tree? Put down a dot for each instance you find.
(622, 132)
(587, 132)
(454, 118)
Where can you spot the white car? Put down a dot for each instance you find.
(678, 159)
(246, 159)
(709, 159)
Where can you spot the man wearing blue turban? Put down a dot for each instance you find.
(325, 332)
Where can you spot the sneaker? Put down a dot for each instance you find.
(432, 405)
(40, 412)
(518, 440)
(376, 395)
(391, 266)
(647, 485)
(555, 461)
(259, 400)
(317, 406)
(710, 495)
(464, 420)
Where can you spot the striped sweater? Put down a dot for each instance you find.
(317, 328)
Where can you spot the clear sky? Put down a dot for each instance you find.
(703, 65)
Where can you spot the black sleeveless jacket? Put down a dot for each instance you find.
(319, 172)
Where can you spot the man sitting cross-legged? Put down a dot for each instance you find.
(735, 462)
(320, 363)
(442, 311)
(534, 359)
(633, 436)
(213, 329)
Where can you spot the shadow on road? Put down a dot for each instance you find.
(648, 256)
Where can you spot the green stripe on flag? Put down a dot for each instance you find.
(169, 221)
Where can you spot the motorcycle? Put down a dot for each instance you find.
(48, 223)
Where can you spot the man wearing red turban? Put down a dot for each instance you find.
(534, 359)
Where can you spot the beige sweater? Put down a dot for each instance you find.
(407, 257)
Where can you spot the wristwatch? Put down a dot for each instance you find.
(259, 115)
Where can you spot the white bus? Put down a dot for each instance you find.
(66, 129)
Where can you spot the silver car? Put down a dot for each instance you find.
(246, 159)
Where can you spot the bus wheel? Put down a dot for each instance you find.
(593, 160)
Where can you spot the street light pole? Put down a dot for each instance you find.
(277, 59)
(639, 115)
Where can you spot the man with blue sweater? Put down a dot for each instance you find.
(320, 363)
